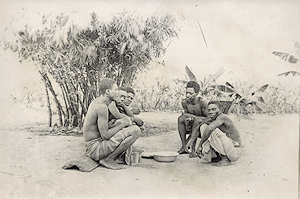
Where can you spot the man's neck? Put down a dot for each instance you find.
(193, 102)
(104, 99)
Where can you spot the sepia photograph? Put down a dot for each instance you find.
(149, 99)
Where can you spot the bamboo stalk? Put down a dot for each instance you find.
(58, 105)
(48, 105)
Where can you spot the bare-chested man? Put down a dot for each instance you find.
(221, 135)
(194, 115)
(103, 144)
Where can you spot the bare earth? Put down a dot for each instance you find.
(31, 165)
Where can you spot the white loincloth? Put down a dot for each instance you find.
(220, 143)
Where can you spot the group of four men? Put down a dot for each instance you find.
(110, 127)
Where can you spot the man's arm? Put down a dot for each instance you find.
(209, 129)
(203, 106)
(112, 107)
(127, 110)
(103, 124)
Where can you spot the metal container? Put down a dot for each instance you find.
(135, 158)
(165, 156)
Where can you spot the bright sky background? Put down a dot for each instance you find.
(241, 35)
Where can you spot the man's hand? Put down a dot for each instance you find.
(199, 149)
(111, 123)
(189, 119)
(189, 146)
(126, 121)
(120, 103)
(138, 121)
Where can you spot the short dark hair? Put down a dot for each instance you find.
(216, 103)
(130, 90)
(105, 83)
(123, 89)
(194, 85)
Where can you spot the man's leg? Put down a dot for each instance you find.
(182, 133)
(224, 146)
(134, 133)
(195, 131)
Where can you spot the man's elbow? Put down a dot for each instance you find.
(105, 136)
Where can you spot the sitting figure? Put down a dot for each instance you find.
(133, 111)
(120, 108)
(194, 115)
(220, 135)
(105, 144)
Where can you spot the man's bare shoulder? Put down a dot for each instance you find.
(202, 101)
(223, 117)
(97, 105)
(184, 101)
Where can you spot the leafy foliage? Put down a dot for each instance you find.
(207, 85)
(78, 57)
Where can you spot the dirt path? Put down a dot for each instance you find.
(31, 166)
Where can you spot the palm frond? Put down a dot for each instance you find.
(190, 74)
(286, 57)
(294, 73)
(213, 78)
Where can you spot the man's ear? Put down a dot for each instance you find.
(107, 91)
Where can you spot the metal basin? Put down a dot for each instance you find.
(165, 156)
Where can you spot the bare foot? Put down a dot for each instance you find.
(200, 155)
(120, 160)
(223, 162)
(111, 164)
(193, 154)
(182, 150)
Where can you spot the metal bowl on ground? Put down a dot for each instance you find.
(165, 156)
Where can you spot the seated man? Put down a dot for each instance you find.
(194, 115)
(121, 107)
(130, 95)
(220, 135)
(103, 144)
(117, 107)
(133, 111)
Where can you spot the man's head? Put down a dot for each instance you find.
(192, 90)
(214, 109)
(122, 95)
(130, 96)
(108, 87)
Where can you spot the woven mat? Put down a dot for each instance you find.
(83, 163)
(86, 164)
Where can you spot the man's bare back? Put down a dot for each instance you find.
(90, 127)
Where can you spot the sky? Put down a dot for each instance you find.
(240, 35)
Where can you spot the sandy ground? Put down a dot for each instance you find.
(31, 165)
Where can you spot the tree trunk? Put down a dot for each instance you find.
(48, 105)
(58, 105)
(67, 104)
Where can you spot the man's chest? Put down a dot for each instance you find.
(194, 109)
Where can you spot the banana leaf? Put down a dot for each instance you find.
(190, 74)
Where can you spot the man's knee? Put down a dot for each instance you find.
(181, 119)
(197, 121)
(134, 131)
(235, 155)
(203, 127)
